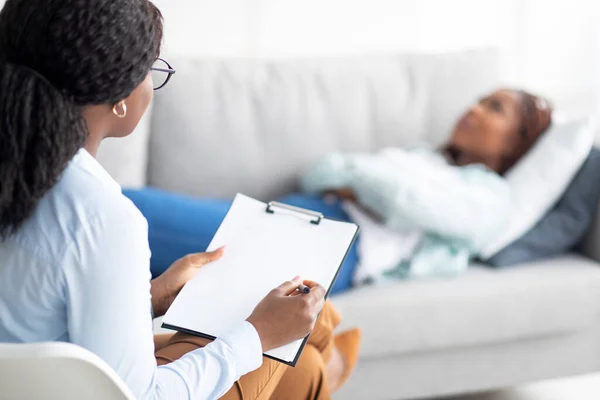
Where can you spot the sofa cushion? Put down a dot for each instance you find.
(251, 126)
(483, 307)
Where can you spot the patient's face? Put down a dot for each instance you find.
(490, 129)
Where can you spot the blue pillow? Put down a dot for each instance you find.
(178, 225)
(564, 226)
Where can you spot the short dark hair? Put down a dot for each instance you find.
(57, 56)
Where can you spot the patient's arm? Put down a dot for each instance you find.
(411, 191)
(467, 203)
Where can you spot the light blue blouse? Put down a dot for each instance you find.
(78, 271)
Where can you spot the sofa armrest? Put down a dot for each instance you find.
(590, 246)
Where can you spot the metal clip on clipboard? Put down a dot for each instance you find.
(316, 217)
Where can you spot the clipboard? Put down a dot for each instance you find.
(266, 245)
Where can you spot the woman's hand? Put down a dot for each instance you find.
(285, 315)
(166, 287)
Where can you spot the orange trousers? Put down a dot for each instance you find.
(273, 380)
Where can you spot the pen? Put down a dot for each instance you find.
(304, 289)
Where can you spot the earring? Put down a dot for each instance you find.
(123, 105)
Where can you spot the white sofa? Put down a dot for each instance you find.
(227, 126)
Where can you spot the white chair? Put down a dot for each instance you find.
(59, 371)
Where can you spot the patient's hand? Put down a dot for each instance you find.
(348, 194)
(343, 194)
(166, 287)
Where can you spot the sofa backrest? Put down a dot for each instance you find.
(251, 126)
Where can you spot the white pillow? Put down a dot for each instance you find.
(540, 179)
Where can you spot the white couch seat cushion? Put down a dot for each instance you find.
(482, 307)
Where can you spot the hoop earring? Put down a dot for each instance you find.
(123, 106)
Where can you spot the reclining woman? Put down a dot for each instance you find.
(74, 251)
(423, 213)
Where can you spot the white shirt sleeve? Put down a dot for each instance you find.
(107, 289)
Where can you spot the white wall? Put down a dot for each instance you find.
(341, 26)
(557, 50)
(277, 28)
(209, 27)
(551, 46)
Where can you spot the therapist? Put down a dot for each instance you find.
(74, 256)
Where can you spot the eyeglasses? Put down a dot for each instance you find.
(161, 73)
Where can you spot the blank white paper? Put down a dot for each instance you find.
(262, 251)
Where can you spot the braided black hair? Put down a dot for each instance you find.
(57, 56)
